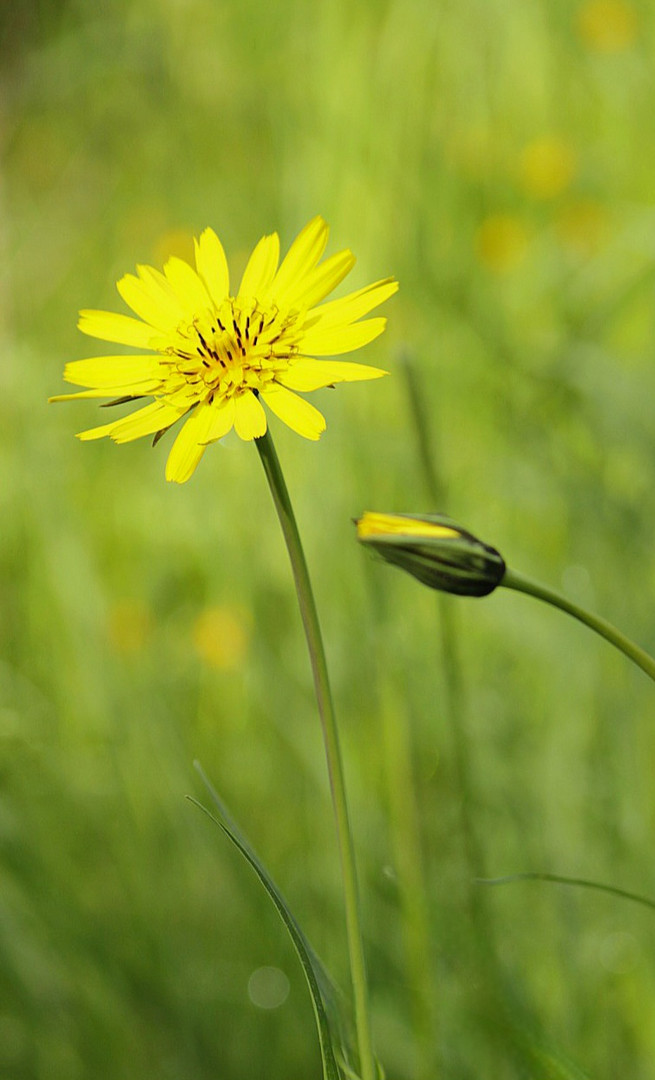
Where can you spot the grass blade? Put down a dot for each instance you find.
(321, 988)
(558, 879)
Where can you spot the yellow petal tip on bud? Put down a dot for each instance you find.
(435, 550)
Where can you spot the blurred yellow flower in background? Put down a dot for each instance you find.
(176, 242)
(546, 167)
(582, 226)
(130, 626)
(218, 355)
(221, 636)
(501, 242)
(607, 25)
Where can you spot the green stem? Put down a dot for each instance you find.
(309, 616)
(514, 580)
(489, 999)
(407, 842)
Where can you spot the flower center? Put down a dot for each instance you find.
(230, 350)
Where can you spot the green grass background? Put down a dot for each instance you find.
(144, 625)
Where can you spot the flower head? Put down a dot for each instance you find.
(214, 356)
(608, 26)
(435, 550)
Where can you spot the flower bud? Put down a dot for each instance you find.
(435, 550)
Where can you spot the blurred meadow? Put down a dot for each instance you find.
(498, 159)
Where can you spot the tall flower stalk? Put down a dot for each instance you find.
(314, 638)
(212, 359)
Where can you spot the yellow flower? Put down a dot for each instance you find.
(608, 26)
(502, 242)
(220, 635)
(214, 357)
(547, 167)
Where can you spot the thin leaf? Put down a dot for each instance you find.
(553, 1066)
(158, 435)
(613, 890)
(321, 988)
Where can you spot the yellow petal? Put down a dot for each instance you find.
(188, 287)
(212, 266)
(222, 422)
(109, 326)
(249, 416)
(148, 305)
(137, 390)
(144, 421)
(306, 374)
(112, 371)
(96, 432)
(205, 425)
(302, 256)
(351, 307)
(261, 268)
(189, 445)
(296, 413)
(373, 523)
(322, 280)
(161, 290)
(342, 339)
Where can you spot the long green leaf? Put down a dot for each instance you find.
(321, 988)
(559, 879)
(553, 1065)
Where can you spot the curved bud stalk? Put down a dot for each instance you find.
(438, 552)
